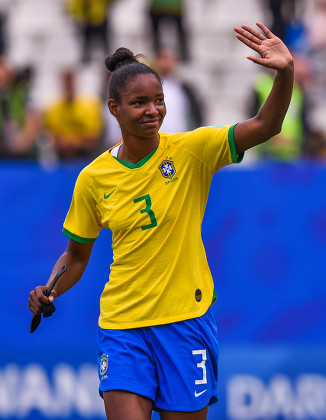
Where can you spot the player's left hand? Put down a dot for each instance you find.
(273, 52)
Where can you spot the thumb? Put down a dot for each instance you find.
(52, 296)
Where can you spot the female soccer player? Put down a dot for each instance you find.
(157, 336)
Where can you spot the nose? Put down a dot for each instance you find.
(151, 109)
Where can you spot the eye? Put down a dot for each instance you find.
(160, 101)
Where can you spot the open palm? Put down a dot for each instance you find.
(273, 52)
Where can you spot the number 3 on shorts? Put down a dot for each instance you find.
(202, 366)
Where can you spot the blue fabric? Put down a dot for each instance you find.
(265, 235)
(175, 365)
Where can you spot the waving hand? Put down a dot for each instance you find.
(273, 52)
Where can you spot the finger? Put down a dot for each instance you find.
(253, 32)
(34, 305)
(253, 37)
(33, 298)
(39, 292)
(35, 309)
(53, 295)
(259, 60)
(247, 42)
(267, 32)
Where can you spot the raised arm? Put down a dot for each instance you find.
(76, 256)
(274, 55)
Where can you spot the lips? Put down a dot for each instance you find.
(150, 122)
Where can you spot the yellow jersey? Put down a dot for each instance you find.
(155, 210)
(75, 121)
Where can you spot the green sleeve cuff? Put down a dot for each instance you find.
(214, 297)
(78, 238)
(236, 158)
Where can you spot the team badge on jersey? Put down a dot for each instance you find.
(104, 364)
(167, 168)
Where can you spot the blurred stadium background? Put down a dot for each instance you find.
(264, 229)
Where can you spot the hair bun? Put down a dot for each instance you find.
(120, 57)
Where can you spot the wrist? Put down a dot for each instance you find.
(288, 68)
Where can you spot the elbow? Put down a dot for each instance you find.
(278, 129)
(269, 127)
(272, 131)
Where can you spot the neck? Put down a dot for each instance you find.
(133, 152)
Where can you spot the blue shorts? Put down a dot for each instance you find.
(175, 365)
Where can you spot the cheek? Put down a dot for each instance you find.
(131, 117)
(163, 111)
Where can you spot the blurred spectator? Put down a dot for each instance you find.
(317, 30)
(282, 12)
(91, 17)
(161, 11)
(288, 23)
(4, 7)
(184, 111)
(317, 56)
(288, 144)
(74, 123)
(19, 124)
(296, 33)
(314, 146)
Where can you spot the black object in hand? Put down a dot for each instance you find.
(48, 308)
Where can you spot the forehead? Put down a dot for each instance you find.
(143, 85)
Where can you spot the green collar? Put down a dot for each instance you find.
(136, 165)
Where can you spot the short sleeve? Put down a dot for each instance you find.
(214, 146)
(83, 222)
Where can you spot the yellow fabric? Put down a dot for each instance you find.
(156, 270)
(77, 120)
(93, 12)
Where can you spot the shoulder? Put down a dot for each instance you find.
(99, 165)
(177, 137)
(199, 134)
(212, 146)
(103, 160)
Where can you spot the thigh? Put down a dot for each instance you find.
(122, 405)
(125, 363)
(187, 354)
(175, 415)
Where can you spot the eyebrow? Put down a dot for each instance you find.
(145, 97)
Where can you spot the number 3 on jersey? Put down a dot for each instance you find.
(148, 210)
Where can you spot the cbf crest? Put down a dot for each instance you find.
(167, 168)
(104, 364)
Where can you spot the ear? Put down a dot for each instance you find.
(114, 108)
